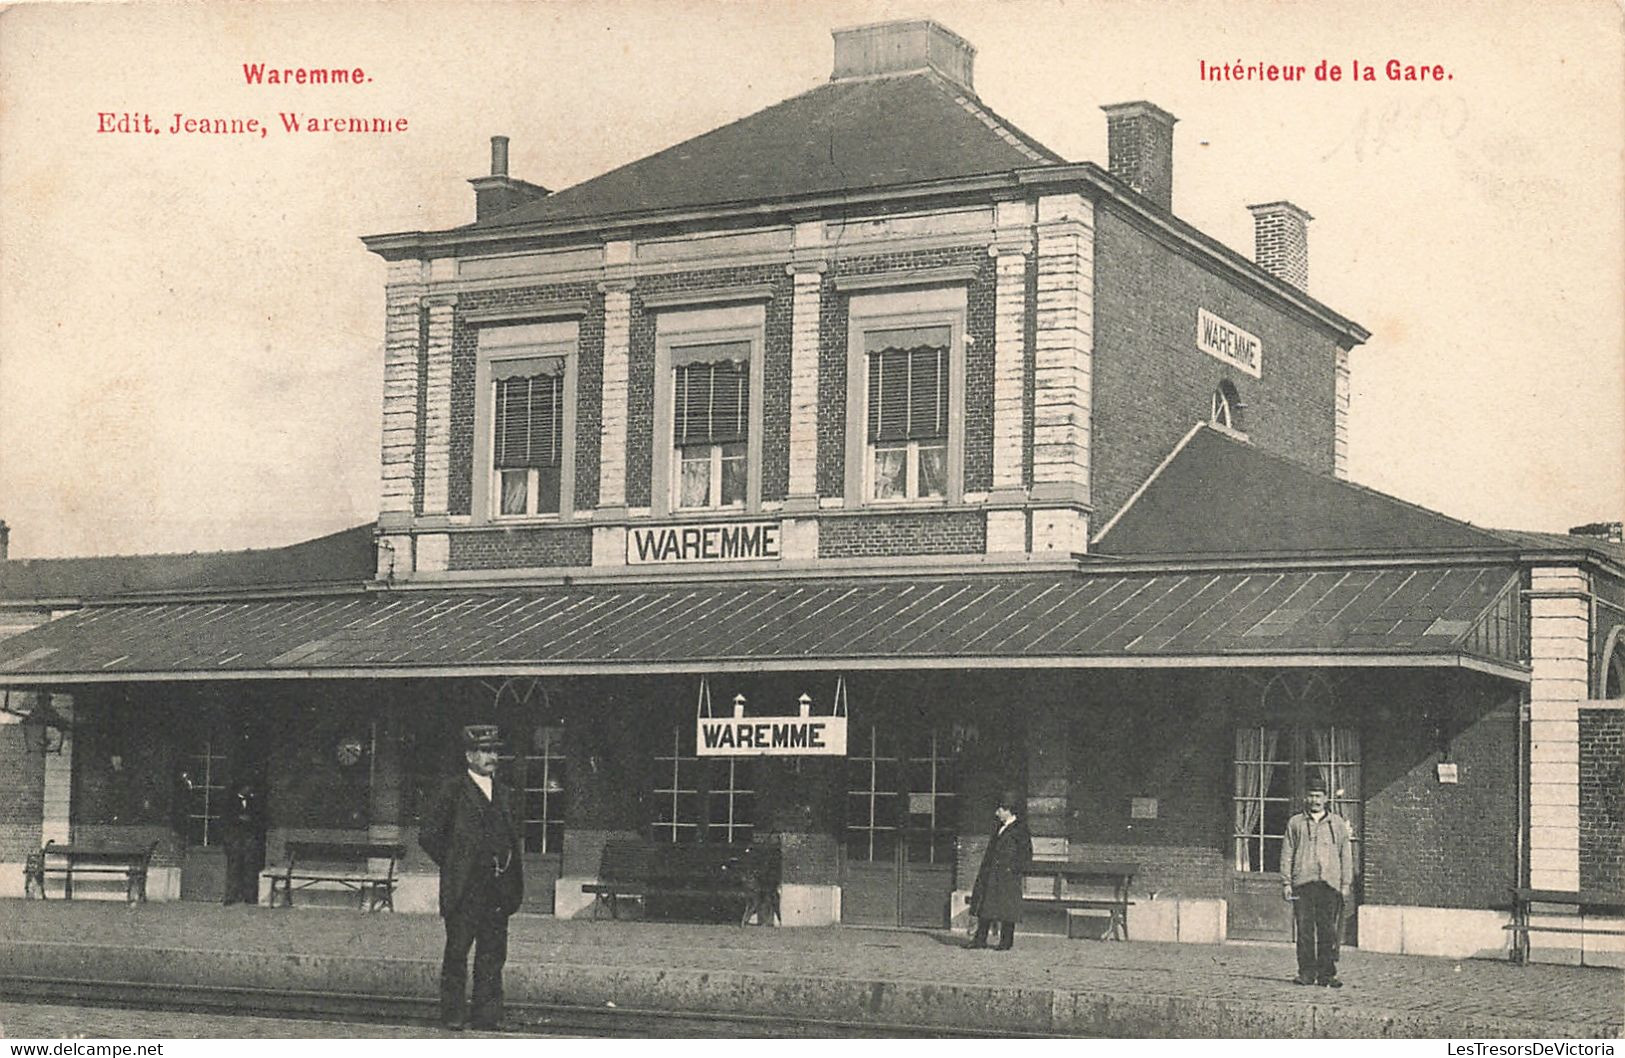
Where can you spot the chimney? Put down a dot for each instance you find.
(500, 192)
(1140, 149)
(903, 47)
(5, 540)
(1281, 241)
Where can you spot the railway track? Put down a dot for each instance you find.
(527, 1019)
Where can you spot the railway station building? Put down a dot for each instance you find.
(866, 409)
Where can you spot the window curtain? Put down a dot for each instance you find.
(529, 422)
(908, 393)
(1338, 750)
(1255, 749)
(713, 403)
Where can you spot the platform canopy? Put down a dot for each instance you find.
(1457, 615)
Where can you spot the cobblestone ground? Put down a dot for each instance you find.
(1468, 987)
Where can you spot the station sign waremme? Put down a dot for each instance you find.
(771, 736)
(704, 542)
(1218, 337)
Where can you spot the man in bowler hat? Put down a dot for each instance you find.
(1318, 863)
(243, 823)
(469, 830)
(996, 897)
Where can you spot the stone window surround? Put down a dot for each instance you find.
(528, 339)
(680, 324)
(878, 308)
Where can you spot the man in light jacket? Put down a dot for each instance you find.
(1319, 865)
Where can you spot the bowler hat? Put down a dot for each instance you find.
(481, 736)
(1012, 800)
(1315, 783)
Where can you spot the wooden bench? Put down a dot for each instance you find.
(131, 861)
(640, 870)
(346, 864)
(1062, 873)
(1523, 899)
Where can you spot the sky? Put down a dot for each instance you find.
(191, 331)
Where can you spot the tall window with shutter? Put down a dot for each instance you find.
(528, 434)
(908, 412)
(710, 425)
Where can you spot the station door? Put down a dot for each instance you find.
(897, 867)
(1271, 766)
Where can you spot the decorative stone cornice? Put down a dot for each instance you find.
(708, 296)
(1012, 246)
(538, 311)
(918, 277)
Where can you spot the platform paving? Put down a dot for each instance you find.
(903, 979)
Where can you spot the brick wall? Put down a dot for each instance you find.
(776, 374)
(589, 385)
(1151, 382)
(1602, 799)
(1152, 735)
(833, 317)
(509, 548)
(1433, 844)
(979, 361)
(923, 533)
(24, 798)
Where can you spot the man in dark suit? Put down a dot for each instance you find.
(996, 897)
(470, 831)
(243, 824)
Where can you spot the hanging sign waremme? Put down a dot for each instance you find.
(771, 736)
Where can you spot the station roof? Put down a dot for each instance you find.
(1219, 495)
(345, 557)
(840, 136)
(1451, 615)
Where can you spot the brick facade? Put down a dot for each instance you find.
(833, 315)
(24, 800)
(641, 382)
(912, 533)
(514, 548)
(1108, 385)
(1152, 382)
(980, 306)
(1433, 844)
(1602, 799)
(589, 378)
(1160, 735)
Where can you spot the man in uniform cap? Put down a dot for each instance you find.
(470, 832)
(1319, 864)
